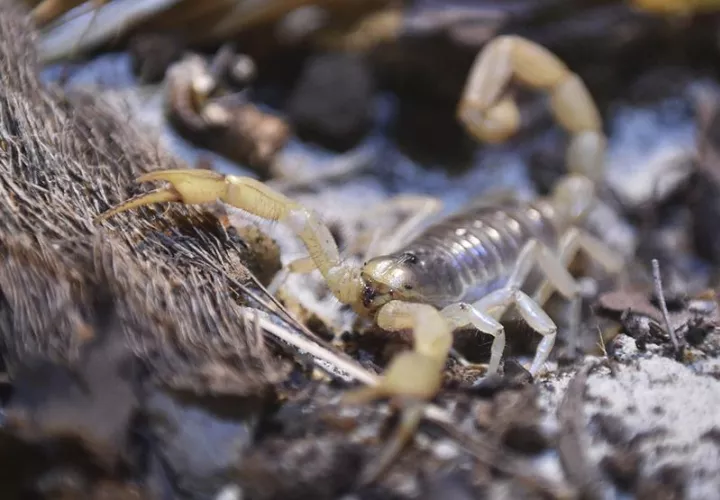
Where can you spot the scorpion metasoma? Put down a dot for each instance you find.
(467, 270)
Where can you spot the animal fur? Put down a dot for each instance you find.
(170, 274)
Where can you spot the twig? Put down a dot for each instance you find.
(311, 347)
(663, 306)
(601, 344)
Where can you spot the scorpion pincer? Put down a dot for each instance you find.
(467, 270)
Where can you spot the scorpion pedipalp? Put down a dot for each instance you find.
(186, 186)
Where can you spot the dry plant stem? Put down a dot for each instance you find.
(285, 178)
(482, 451)
(432, 412)
(657, 280)
(97, 4)
(325, 353)
(352, 369)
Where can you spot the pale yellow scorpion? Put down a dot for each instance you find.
(468, 269)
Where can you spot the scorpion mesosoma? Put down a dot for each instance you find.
(466, 270)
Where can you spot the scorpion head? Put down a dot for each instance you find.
(387, 278)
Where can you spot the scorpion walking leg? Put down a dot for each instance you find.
(303, 265)
(486, 312)
(556, 275)
(421, 208)
(571, 243)
(463, 314)
(497, 303)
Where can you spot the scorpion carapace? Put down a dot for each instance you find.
(466, 270)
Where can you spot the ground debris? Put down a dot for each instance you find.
(654, 400)
(322, 468)
(510, 417)
(623, 468)
(203, 112)
(201, 440)
(153, 54)
(694, 319)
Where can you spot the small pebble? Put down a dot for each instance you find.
(623, 467)
(332, 104)
(445, 450)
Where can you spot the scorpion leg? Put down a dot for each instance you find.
(464, 314)
(486, 312)
(303, 265)
(557, 276)
(432, 340)
(570, 244)
(412, 377)
(497, 303)
(422, 208)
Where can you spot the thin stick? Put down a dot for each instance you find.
(307, 345)
(663, 306)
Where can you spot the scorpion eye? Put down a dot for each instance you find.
(410, 258)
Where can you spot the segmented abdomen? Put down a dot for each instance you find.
(473, 253)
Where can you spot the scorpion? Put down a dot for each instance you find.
(466, 270)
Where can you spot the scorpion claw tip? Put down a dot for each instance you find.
(158, 196)
(189, 186)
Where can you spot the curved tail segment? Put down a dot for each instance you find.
(490, 114)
